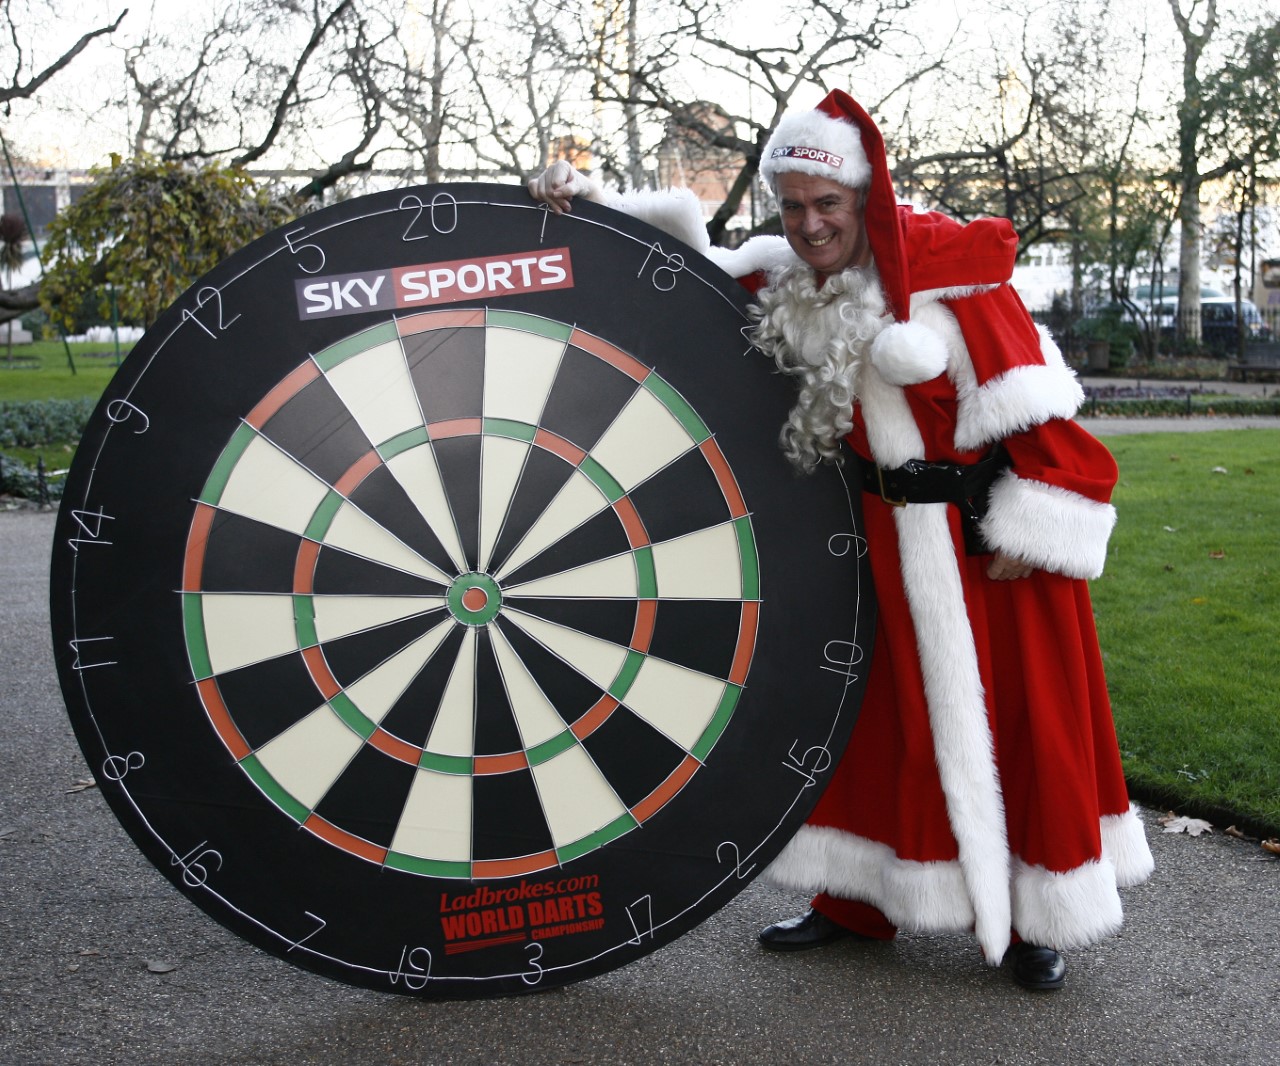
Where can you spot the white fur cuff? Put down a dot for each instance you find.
(1124, 842)
(907, 353)
(1048, 527)
(1066, 910)
(674, 211)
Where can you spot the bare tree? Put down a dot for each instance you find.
(26, 77)
(1196, 25)
(647, 65)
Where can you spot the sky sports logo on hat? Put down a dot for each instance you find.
(816, 154)
(434, 283)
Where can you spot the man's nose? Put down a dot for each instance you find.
(812, 220)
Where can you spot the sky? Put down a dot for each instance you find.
(68, 125)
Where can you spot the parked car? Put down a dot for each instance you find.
(1219, 328)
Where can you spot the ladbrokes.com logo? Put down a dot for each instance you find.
(487, 917)
(434, 283)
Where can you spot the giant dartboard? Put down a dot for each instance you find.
(434, 606)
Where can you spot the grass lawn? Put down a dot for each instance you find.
(39, 370)
(1189, 619)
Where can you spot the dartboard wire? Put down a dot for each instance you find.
(483, 557)
(632, 661)
(601, 479)
(310, 819)
(531, 743)
(391, 974)
(394, 975)
(382, 447)
(338, 496)
(286, 248)
(459, 561)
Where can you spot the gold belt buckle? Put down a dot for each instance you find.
(880, 478)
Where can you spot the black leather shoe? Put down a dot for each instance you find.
(810, 930)
(1039, 969)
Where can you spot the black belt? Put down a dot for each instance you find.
(916, 481)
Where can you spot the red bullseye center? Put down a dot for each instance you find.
(475, 599)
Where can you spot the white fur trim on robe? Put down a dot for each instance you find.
(674, 211)
(1014, 401)
(1124, 842)
(924, 897)
(1060, 910)
(767, 253)
(962, 742)
(1081, 906)
(1047, 526)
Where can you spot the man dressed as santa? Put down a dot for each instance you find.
(982, 789)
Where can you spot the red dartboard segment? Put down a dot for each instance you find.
(467, 594)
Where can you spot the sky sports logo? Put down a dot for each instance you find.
(816, 154)
(434, 283)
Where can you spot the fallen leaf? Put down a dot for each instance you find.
(1193, 827)
(90, 951)
(1272, 845)
(1248, 470)
(159, 966)
(1219, 554)
(80, 786)
(1232, 831)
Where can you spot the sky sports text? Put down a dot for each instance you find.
(434, 283)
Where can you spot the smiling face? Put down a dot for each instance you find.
(823, 222)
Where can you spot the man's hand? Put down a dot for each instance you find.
(558, 185)
(1008, 568)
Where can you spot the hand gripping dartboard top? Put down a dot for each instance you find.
(433, 605)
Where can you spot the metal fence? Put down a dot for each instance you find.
(1215, 330)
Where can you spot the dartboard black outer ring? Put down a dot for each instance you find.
(119, 592)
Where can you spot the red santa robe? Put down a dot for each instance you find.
(982, 788)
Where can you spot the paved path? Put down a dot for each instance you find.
(1193, 979)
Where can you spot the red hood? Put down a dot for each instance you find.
(914, 253)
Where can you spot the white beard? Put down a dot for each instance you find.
(820, 336)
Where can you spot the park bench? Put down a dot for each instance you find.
(1261, 361)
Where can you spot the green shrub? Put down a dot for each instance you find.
(36, 423)
(18, 479)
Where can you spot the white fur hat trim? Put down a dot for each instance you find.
(812, 142)
(907, 353)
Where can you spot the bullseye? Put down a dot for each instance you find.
(474, 599)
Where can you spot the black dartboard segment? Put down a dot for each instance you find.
(434, 606)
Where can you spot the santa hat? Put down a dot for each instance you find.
(838, 140)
